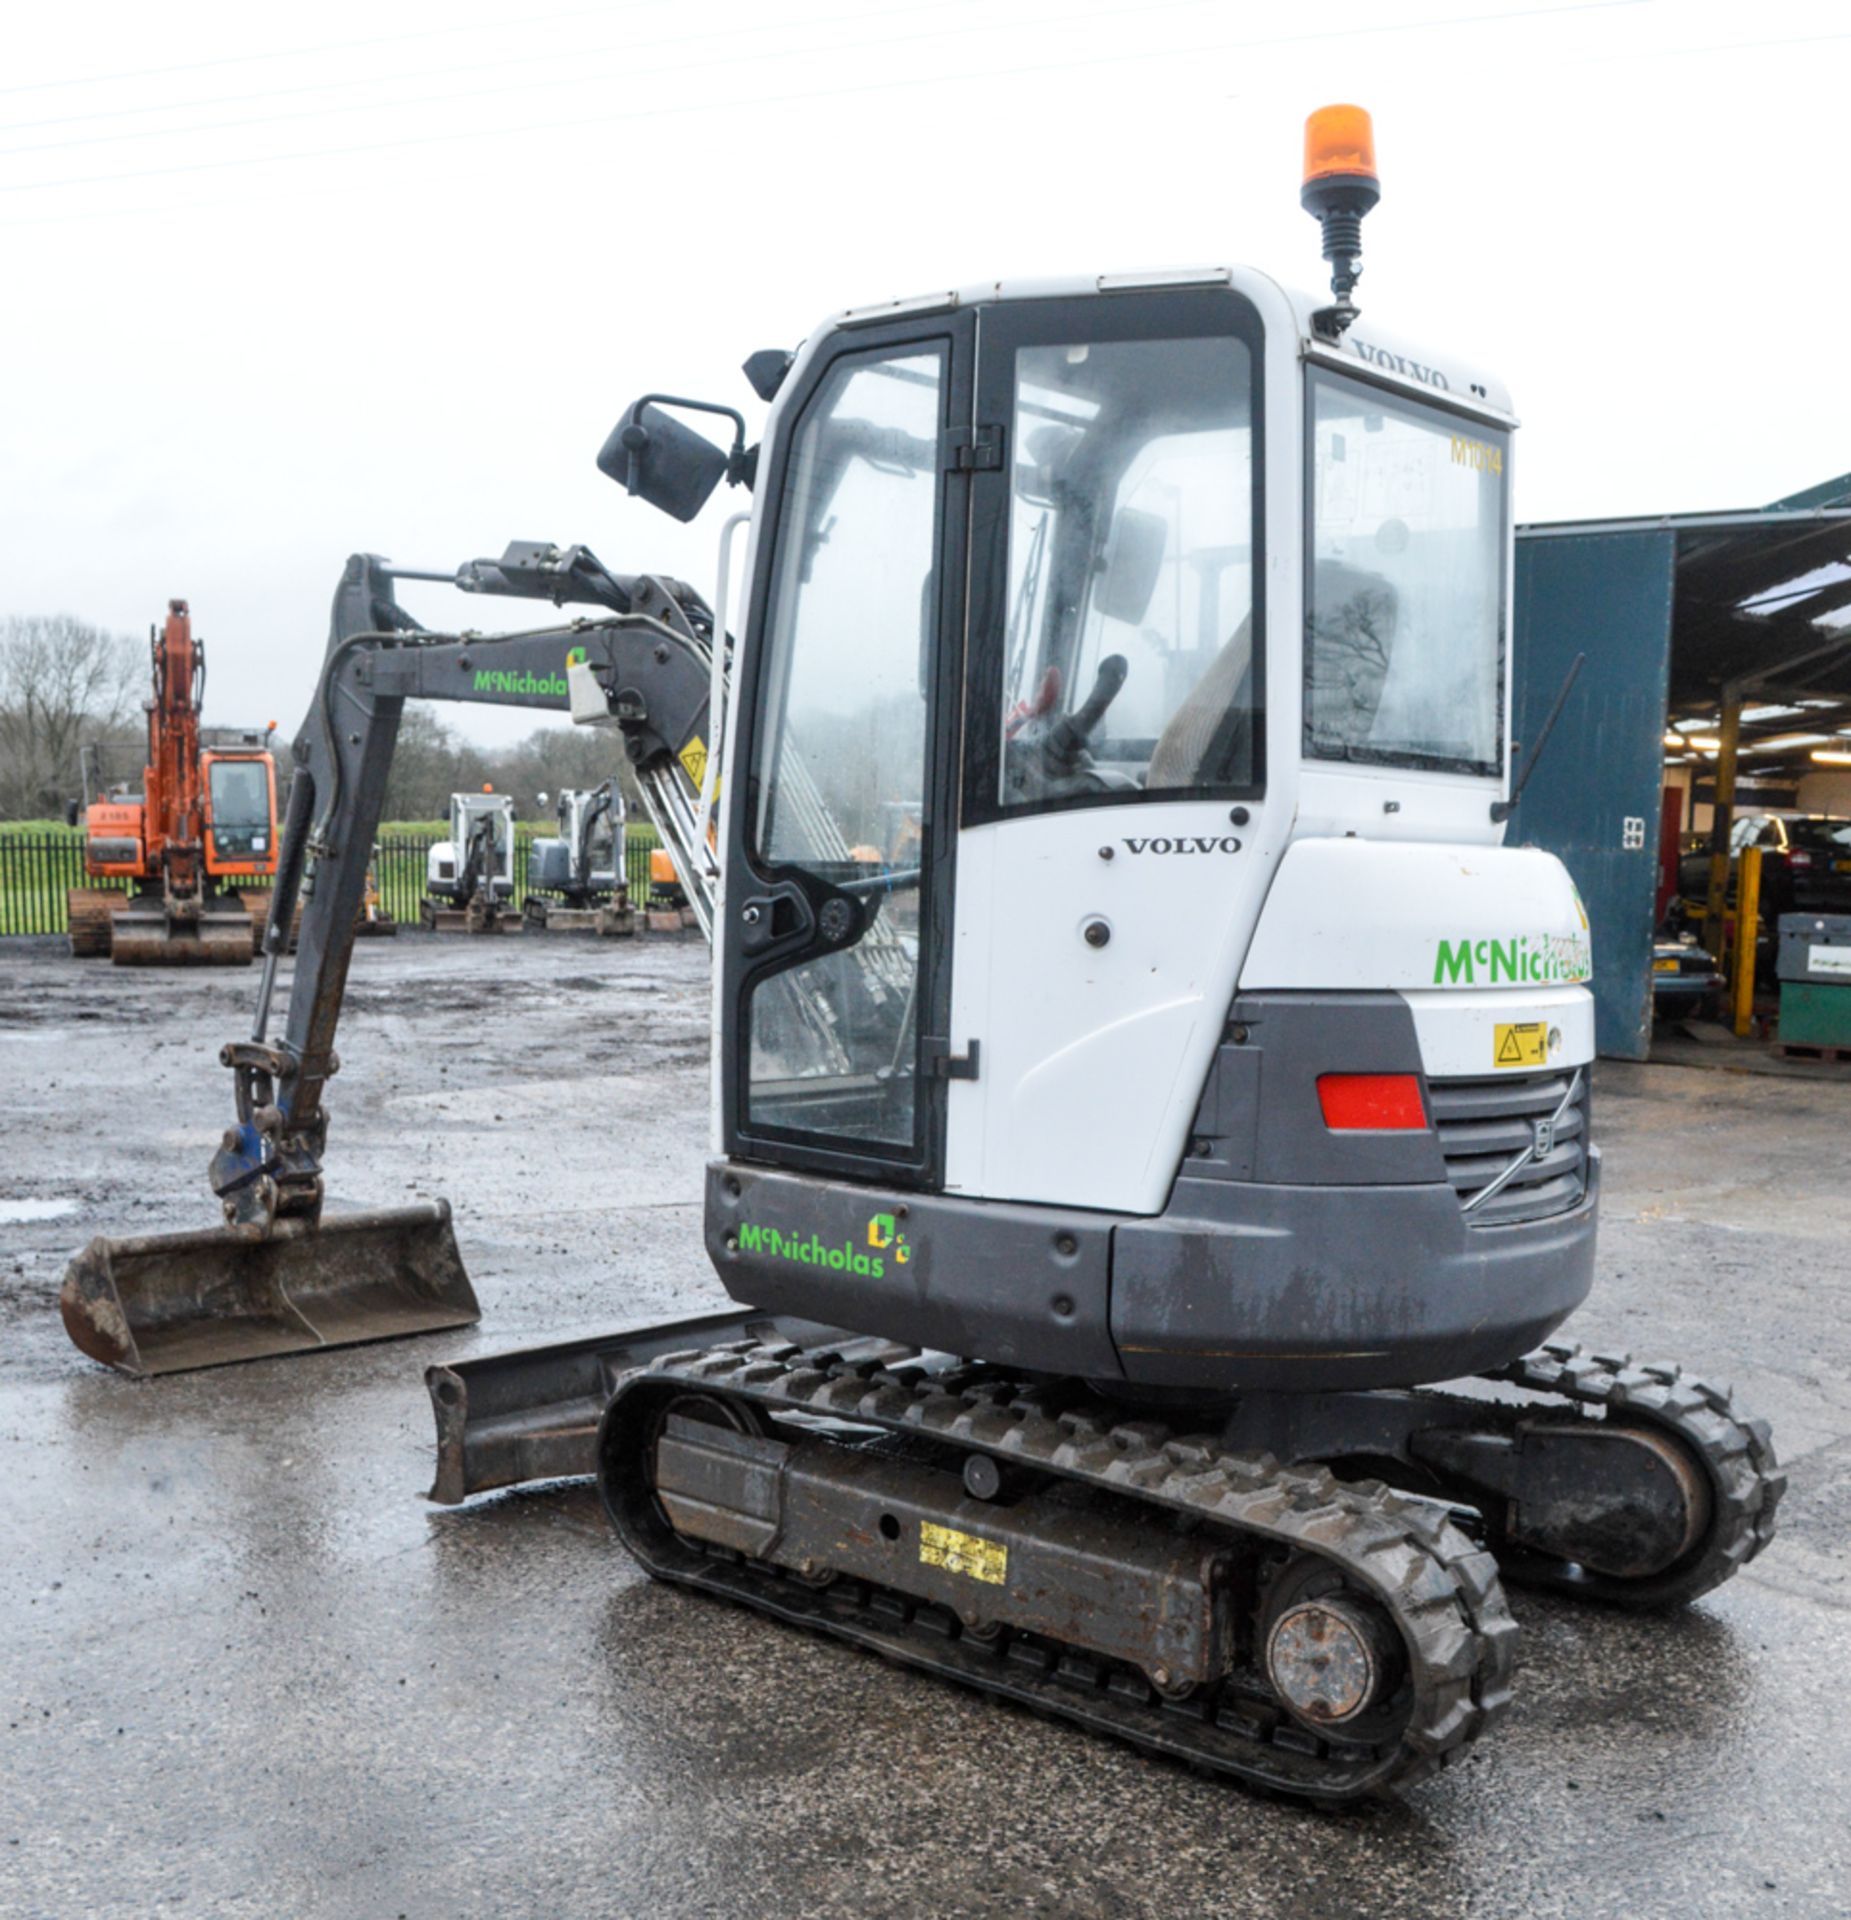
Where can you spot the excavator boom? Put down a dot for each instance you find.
(275, 1279)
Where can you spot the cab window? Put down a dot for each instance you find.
(240, 795)
(1404, 602)
(1131, 664)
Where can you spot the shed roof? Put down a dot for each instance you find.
(1762, 598)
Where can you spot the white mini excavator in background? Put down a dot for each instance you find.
(469, 878)
(575, 876)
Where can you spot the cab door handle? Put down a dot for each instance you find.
(775, 920)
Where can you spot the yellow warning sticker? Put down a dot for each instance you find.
(693, 758)
(956, 1552)
(1521, 1043)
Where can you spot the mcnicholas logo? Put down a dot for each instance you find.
(547, 685)
(1544, 960)
(885, 1242)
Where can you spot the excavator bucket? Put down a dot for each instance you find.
(142, 937)
(167, 1302)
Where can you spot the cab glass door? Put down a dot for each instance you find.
(1114, 738)
(831, 913)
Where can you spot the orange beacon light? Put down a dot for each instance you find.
(1340, 186)
(1339, 142)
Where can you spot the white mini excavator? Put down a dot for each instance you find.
(575, 876)
(469, 878)
(1106, 1182)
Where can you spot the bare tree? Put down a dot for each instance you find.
(428, 765)
(552, 759)
(63, 683)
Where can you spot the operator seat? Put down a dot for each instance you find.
(1213, 727)
(1208, 741)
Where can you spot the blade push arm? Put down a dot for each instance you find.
(650, 655)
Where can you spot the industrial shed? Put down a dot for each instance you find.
(1716, 688)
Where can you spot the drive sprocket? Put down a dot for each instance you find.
(1742, 1477)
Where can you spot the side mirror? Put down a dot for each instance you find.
(1133, 562)
(651, 453)
(71, 808)
(766, 370)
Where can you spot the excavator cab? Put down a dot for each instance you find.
(240, 812)
(1169, 612)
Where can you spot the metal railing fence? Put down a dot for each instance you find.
(39, 869)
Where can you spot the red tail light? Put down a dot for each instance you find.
(1372, 1102)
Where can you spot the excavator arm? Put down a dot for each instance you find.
(275, 1279)
(650, 657)
(605, 804)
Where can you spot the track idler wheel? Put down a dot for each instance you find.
(1620, 1500)
(1332, 1655)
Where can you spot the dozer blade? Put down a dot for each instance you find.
(167, 1302)
(509, 1418)
(150, 940)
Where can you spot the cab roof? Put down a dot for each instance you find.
(1365, 345)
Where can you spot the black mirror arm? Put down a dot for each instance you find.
(636, 436)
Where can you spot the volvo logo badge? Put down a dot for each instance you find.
(1189, 843)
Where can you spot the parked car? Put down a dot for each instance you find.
(1805, 864)
(1685, 983)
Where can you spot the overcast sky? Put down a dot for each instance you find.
(284, 283)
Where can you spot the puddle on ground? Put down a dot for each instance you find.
(17, 1213)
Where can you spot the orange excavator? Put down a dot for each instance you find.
(203, 822)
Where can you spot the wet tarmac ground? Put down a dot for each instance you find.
(246, 1670)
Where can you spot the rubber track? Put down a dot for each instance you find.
(88, 911)
(1442, 1590)
(1746, 1482)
